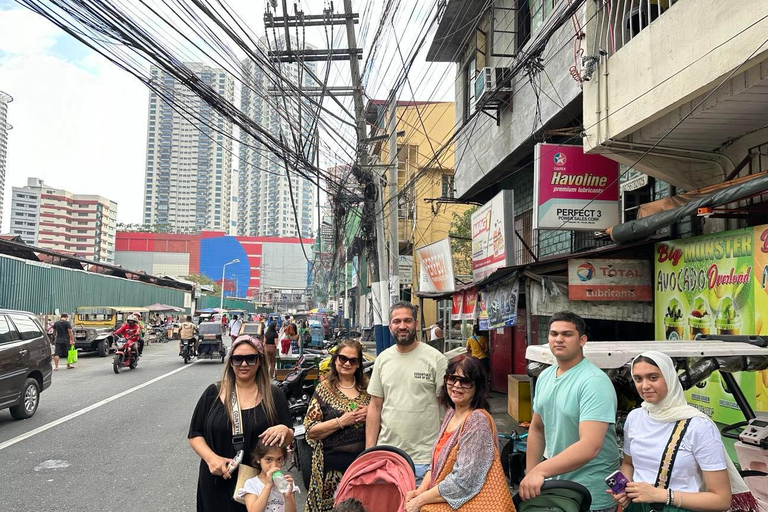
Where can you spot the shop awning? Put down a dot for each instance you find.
(665, 212)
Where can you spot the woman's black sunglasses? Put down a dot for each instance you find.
(351, 360)
(250, 359)
(458, 380)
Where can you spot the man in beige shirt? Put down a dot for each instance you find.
(404, 411)
(188, 331)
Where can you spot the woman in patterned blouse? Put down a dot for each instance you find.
(335, 424)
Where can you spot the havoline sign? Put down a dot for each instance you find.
(573, 190)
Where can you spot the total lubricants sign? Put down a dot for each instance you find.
(574, 191)
(609, 280)
(715, 284)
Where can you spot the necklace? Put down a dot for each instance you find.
(353, 386)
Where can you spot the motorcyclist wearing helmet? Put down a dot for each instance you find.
(131, 330)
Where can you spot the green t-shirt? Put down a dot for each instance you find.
(583, 393)
(409, 384)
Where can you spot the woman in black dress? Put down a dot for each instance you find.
(265, 414)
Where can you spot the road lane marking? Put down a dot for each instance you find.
(75, 414)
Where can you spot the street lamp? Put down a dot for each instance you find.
(223, 277)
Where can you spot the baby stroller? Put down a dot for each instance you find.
(556, 495)
(379, 477)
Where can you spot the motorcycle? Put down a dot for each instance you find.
(188, 349)
(160, 334)
(126, 355)
(298, 392)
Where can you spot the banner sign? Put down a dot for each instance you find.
(502, 304)
(493, 235)
(457, 305)
(436, 267)
(469, 311)
(482, 310)
(715, 284)
(405, 267)
(573, 190)
(609, 280)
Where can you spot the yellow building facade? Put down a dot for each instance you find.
(424, 180)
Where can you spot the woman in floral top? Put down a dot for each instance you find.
(335, 424)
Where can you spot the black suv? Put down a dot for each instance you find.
(25, 362)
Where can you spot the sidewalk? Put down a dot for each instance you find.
(504, 422)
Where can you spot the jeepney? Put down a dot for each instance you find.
(94, 325)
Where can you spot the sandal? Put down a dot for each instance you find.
(70, 367)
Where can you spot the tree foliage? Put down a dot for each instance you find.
(204, 280)
(461, 241)
(144, 228)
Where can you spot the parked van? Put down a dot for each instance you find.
(25, 362)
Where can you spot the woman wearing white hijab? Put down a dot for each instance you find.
(703, 478)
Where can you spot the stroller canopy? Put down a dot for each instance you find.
(379, 477)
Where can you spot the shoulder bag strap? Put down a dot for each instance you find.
(668, 458)
(238, 440)
(670, 453)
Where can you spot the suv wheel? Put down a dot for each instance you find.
(30, 399)
(103, 348)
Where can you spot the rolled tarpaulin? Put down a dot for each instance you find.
(641, 228)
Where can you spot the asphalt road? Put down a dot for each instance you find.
(106, 442)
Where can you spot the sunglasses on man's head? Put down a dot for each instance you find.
(250, 359)
(351, 360)
(459, 381)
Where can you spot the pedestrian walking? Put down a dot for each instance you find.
(574, 411)
(335, 423)
(234, 327)
(63, 339)
(264, 412)
(466, 472)
(404, 411)
(700, 475)
(270, 348)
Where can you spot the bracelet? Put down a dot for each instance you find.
(669, 496)
(681, 500)
(339, 422)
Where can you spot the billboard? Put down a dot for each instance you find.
(493, 235)
(609, 280)
(501, 303)
(715, 284)
(436, 267)
(573, 190)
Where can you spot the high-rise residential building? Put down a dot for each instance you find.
(189, 155)
(5, 99)
(264, 198)
(57, 219)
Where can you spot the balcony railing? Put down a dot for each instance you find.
(621, 20)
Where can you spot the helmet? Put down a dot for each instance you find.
(131, 319)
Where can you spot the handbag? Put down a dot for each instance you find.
(494, 495)
(244, 471)
(72, 355)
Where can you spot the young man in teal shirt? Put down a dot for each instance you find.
(574, 411)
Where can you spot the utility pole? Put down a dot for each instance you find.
(374, 206)
(373, 215)
(394, 239)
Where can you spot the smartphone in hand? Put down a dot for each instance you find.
(617, 482)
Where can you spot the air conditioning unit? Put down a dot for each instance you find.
(487, 84)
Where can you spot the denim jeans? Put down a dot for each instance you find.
(421, 470)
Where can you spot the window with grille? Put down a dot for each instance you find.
(447, 188)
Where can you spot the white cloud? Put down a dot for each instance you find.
(78, 124)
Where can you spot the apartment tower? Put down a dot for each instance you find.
(189, 155)
(57, 219)
(264, 197)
